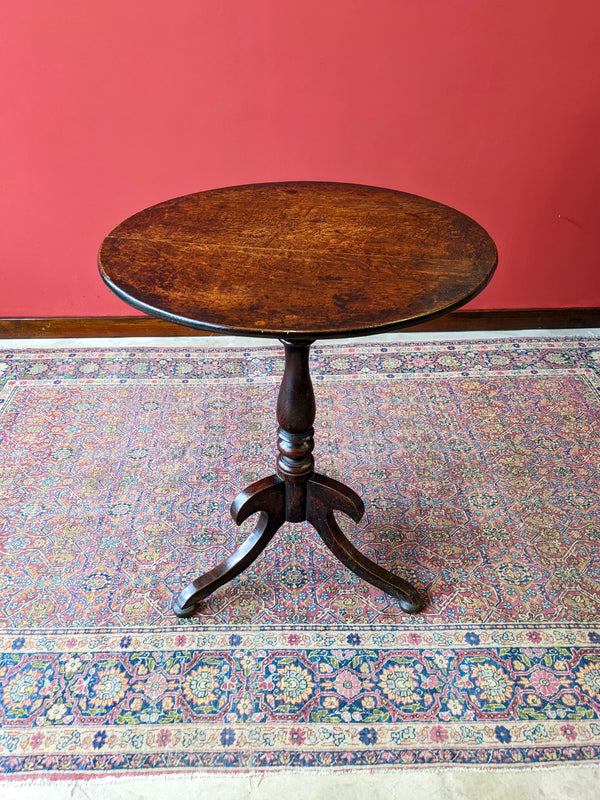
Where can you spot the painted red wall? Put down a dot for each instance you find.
(109, 106)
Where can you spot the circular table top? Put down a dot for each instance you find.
(298, 260)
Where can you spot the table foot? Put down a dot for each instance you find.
(266, 496)
(326, 495)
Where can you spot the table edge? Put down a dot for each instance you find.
(303, 335)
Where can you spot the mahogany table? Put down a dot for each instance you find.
(297, 262)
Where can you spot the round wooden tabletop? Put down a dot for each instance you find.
(298, 260)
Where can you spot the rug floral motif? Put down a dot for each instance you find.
(479, 466)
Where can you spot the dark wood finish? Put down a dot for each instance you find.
(296, 494)
(266, 496)
(297, 261)
(324, 497)
(91, 327)
(296, 414)
(513, 319)
(496, 319)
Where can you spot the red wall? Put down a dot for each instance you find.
(109, 106)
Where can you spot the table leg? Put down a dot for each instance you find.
(266, 496)
(326, 495)
(296, 494)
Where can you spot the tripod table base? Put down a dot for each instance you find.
(280, 501)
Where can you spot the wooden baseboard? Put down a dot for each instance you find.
(513, 319)
(477, 320)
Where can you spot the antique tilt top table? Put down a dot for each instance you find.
(297, 262)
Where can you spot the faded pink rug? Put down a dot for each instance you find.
(479, 466)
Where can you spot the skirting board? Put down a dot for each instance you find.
(477, 320)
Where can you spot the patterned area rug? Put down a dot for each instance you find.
(478, 463)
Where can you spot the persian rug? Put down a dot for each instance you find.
(478, 462)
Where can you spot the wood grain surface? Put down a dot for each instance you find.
(298, 260)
